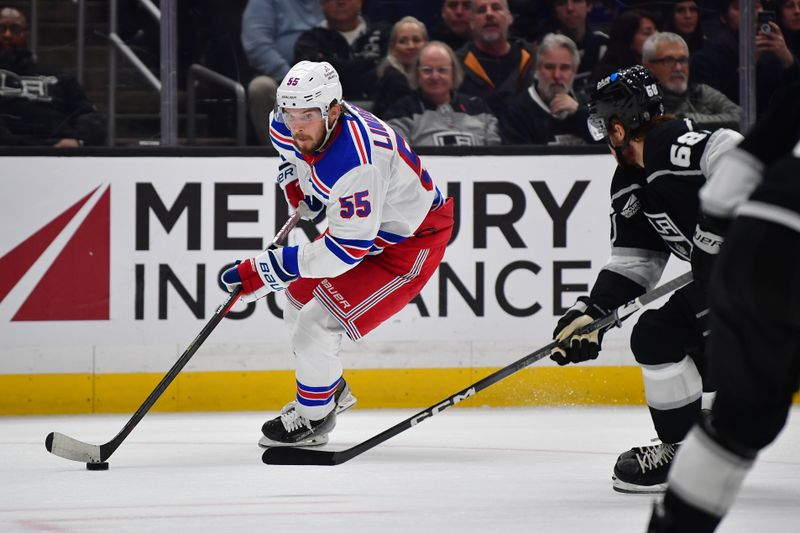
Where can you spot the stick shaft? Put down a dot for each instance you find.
(77, 450)
(304, 456)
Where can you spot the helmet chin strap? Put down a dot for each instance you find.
(329, 129)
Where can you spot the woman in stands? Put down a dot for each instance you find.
(405, 41)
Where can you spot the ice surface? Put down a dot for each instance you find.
(466, 470)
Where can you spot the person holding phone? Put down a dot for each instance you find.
(769, 38)
(788, 18)
(717, 64)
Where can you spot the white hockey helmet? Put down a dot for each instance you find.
(309, 84)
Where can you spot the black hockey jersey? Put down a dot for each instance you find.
(654, 210)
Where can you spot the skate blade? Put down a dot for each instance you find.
(630, 488)
(346, 404)
(264, 442)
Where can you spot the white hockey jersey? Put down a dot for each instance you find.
(375, 190)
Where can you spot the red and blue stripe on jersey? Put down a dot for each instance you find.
(281, 136)
(349, 251)
(413, 161)
(349, 148)
(384, 239)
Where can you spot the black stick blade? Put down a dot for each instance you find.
(284, 455)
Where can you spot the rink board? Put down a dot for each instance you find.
(110, 266)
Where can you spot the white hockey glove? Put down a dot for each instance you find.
(259, 275)
(287, 179)
(581, 347)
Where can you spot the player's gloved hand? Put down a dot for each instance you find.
(581, 347)
(708, 239)
(287, 179)
(258, 275)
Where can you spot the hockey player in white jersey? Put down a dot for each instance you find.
(388, 227)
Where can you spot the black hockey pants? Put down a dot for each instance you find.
(754, 351)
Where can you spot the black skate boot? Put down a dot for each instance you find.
(644, 470)
(293, 429)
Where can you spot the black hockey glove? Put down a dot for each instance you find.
(581, 347)
(708, 239)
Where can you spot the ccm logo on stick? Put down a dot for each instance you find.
(442, 406)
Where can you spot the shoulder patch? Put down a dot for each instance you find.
(631, 207)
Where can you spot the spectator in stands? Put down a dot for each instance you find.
(683, 17)
(532, 19)
(269, 31)
(717, 64)
(625, 39)
(436, 114)
(454, 26)
(349, 42)
(666, 55)
(788, 13)
(570, 20)
(495, 69)
(394, 72)
(549, 111)
(39, 105)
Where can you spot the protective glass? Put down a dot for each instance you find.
(299, 117)
(597, 127)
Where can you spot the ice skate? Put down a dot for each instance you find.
(293, 429)
(643, 470)
(343, 397)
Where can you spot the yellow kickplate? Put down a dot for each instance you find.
(270, 390)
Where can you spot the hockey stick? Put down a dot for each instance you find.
(305, 456)
(75, 450)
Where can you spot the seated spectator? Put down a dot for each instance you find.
(717, 64)
(683, 17)
(269, 31)
(407, 37)
(788, 13)
(666, 55)
(454, 26)
(570, 20)
(350, 43)
(39, 105)
(549, 111)
(625, 39)
(495, 69)
(436, 114)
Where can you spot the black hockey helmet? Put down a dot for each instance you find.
(631, 95)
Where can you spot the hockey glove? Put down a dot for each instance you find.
(287, 179)
(259, 275)
(708, 239)
(581, 347)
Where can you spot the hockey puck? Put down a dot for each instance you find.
(96, 466)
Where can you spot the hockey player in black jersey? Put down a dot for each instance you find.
(754, 351)
(662, 163)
